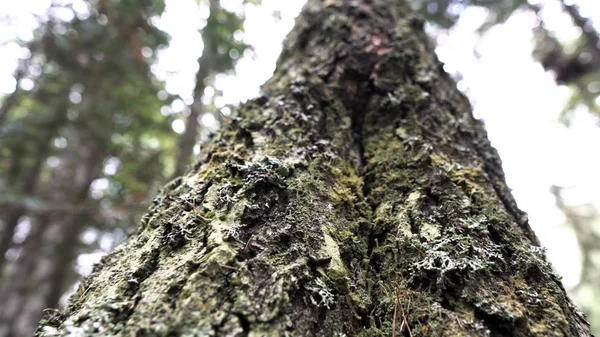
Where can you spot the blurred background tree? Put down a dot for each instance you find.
(574, 62)
(92, 129)
(83, 143)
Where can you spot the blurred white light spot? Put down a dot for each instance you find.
(449, 69)
(86, 261)
(456, 9)
(177, 105)
(8, 84)
(63, 13)
(165, 110)
(173, 87)
(81, 9)
(197, 149)
(575, 32)
(112, 165)
(155, 21)
(220, 102)
(186, 111)
(89, 236)
(100, 184)
(238, 35)
(106, 242)
(24, 53)
(432, 8)
(152, 143)
(147, 52)
(203, 12)
(209, 91)
(60, 142)
(27, 84)
(53, 161)
(102, 19)
(594, 87)
(226, 111)
(22, 230)
(562, 259)
(178, 126)
(231, 5)
(75, 97)
(59, 29)
(585, 57)
(35, 70)
(208, 120)
(234, 54)
(162, 95)
(155, 69)
(13, 254)
(206, 100)
(98, 187)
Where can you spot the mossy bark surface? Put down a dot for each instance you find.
(357, 196)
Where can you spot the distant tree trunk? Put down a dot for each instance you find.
(21, 282)
(9, 101)
(188, 139)
(357, 197)
(569, 68)
(30, 182)
(26, 183)
(44, 270)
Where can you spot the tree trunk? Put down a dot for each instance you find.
(44, 269)
(206, 64)
(22, 283)
(27, 182)
(30, 182)
(357, 197)
(187, 141)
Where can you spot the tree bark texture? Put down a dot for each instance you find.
(357, 196)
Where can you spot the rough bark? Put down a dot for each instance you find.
(357, 197)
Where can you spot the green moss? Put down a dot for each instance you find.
(347, 186)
